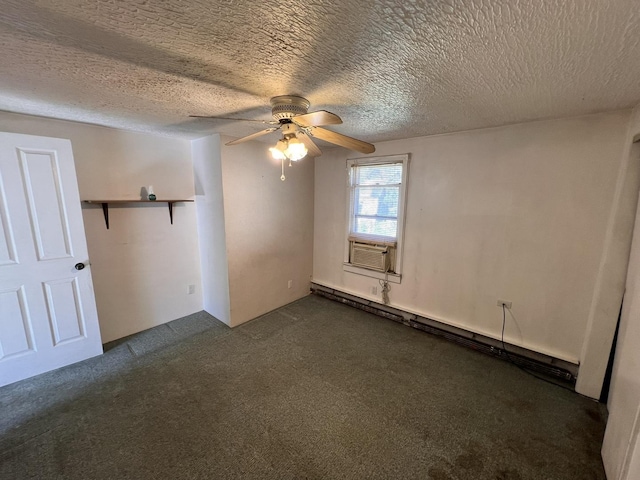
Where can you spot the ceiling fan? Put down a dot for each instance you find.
(291, 117)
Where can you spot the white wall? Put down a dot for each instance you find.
(207, 169)
(621, 447)
(519, 212)
(269, 229)
(142, 265)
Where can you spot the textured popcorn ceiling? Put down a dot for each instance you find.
(390, 69)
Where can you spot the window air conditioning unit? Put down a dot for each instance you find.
(369, 256)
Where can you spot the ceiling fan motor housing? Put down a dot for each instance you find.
(288, 106)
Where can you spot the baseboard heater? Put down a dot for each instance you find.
(556, 368)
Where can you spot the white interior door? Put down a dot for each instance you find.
(621, 444)
(48, 315)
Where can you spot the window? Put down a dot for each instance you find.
(376, 215)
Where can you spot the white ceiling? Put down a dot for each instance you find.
(390, 69)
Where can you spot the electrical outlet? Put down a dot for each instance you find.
(289, 283)
(191, 289)
(506, 303)
(374, 290)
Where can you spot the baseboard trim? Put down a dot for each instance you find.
(557, 368)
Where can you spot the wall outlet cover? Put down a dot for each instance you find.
(506, 303)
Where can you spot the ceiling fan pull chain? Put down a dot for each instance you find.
(282, 163)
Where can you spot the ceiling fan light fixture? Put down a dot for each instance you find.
(279, 151)
(296, 150)
(276, 154)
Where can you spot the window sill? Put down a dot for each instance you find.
(391, 277)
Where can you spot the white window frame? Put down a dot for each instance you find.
(402, 201)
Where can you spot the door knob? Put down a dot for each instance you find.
(79, 266)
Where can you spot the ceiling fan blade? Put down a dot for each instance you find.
(314, 119)
(268, 122)
(313, 149)
(342, 140)
(252, 136)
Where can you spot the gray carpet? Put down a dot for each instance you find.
(313, 390)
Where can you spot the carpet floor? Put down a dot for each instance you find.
(313, 390)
